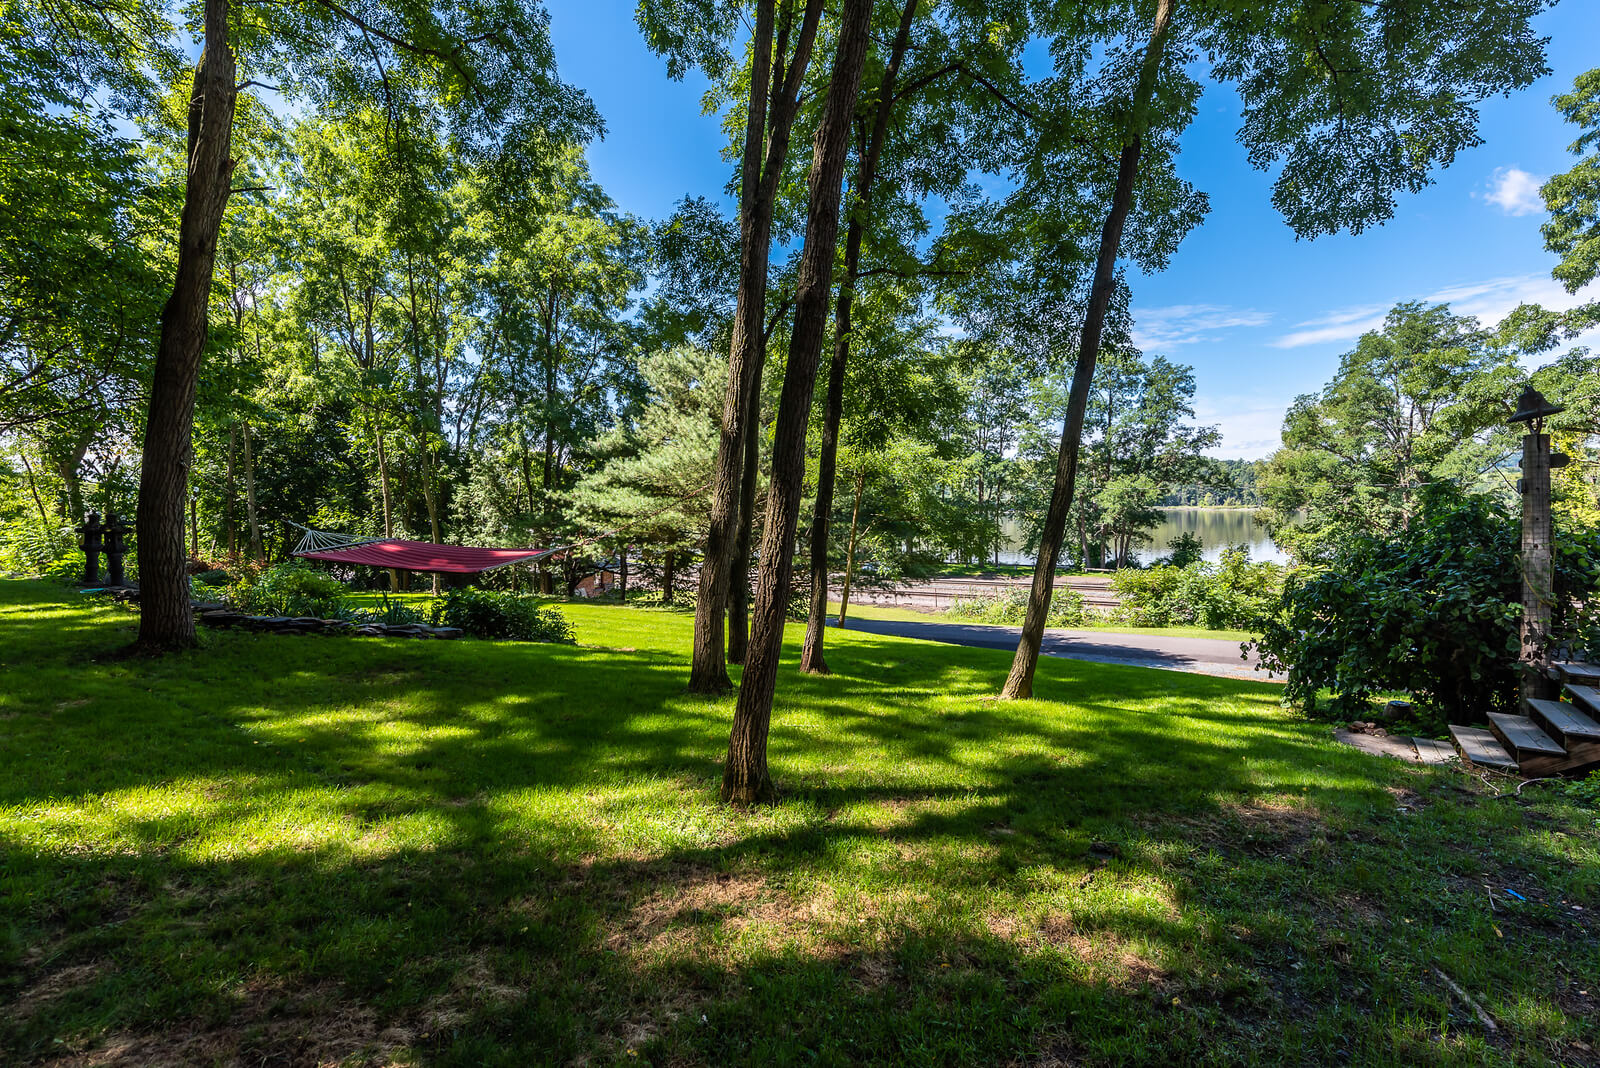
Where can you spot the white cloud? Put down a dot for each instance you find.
(1488, 301)
(1251, 426)
(1514, 191)
(1335, 326)
(1185, 324)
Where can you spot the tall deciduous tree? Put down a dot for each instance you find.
(745, 776)
(1358, 103)
(780, 55)
(494, 85)
(1573, 197)
(1413, 404)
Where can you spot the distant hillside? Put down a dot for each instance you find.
(1232, 483)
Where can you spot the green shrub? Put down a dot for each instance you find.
(398, 613)
(1585, 791)
(291, 588)
(1232, 593)
(1187, 549)
(1067, 609)
(29, 548)
(501, 616)
(1433, 609)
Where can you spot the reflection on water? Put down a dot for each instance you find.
(1217, 529)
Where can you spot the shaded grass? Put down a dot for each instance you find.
(303, 850)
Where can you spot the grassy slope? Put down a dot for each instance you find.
(290, 850)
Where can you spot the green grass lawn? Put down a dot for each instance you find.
(308, 850)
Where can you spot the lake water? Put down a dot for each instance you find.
(1217, 529)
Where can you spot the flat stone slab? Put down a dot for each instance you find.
(1388, 745)
(1413, 750)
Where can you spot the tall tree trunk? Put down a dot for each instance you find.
(744, 776)
(850, 550)
(750, 479)
(430, 495)
(772, 113)
(166, 621)
(622, 574)
(388, 505)
(251, 514)
(669, 576)
(33, 488)
(231, 493)
(811, 659)
(68, 466)
(1019, 683)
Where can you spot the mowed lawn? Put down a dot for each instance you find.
(305, 850)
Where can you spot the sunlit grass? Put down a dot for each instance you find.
(308, 849)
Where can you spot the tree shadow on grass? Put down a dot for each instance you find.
(296, 851)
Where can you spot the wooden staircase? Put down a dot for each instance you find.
(1556, 737)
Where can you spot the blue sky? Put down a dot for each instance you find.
(1261, 317)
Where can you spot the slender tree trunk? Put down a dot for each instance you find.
(33, 488)
(812, 660)
(166, 621)
(388, 502)
(1019, 683)
(251, 514)
(772, 113)
(430, 495)
(622, 577)
(68, 467)
(850, 550)
(669, 576)
(745, 777)
(232, 493)
(750, 478)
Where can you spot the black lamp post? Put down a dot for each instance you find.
(92, 532)
(1538, 567)
(116, 547)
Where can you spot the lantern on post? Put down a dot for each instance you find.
(91, 544)
(1538, 560)
(116, 547)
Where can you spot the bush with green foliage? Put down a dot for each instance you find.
(1232, 593)
(501, 616)
(1433, 609)
(30, 548)
(1187, 548)
(398, 613)
(1067, 609)
(290, 588)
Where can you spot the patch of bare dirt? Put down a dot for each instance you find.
(52, 986)
(683, 908)
(269, 1026)
(1108, 955)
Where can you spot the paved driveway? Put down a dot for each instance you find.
(1206, 656)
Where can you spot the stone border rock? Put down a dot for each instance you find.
(224, 618)
(218, 615)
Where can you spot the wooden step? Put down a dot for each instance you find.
(1586, 697)
(1577, 671)
(1537, 753)
(1576, 732)
(1478, 746)
(1432, 752)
